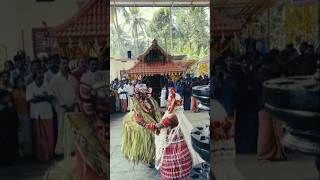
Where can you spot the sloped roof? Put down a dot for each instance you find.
(241, 10)
(91, 21)
(166, 67)
(224, 25)
(154, 45)
(185, 63)
(155, 68)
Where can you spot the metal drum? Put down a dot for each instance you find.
(200, 139)
(296, 102)
(200, 136)
(200, 172)
(202, 93)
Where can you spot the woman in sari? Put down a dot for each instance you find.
(270, 131)
(175, 156)
(22, 109)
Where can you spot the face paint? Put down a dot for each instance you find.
(143, 95)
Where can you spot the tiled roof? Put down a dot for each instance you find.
(185, 63)
(145, 69)
(90, 21)
(155, 67)
(242, 10)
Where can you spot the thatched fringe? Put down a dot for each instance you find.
(137, 142)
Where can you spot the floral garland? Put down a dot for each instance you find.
(138, 142)
(221, 130)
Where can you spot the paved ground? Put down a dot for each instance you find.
(121, 169)
(298, 167)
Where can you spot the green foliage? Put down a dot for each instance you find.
(120, 41)
(179, 30)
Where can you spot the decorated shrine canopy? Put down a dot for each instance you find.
(229, 16)
(91, 22)
(155, 61)
(224, 25)
(242, 10)
(186, 64)
(161, 3)
(85, 34)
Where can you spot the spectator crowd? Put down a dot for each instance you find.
(122, 90)
(34, 97)
(238, 86)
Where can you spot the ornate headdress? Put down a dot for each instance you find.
(174, 100)
(141, 91)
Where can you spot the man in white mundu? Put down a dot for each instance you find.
(130, 94)
(123, 91)
(65, 90)
(86, 82)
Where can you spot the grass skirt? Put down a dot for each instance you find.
(137, 142)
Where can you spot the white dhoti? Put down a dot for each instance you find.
(117, 103)
(61, 139)
(129, 103)
(163, 101)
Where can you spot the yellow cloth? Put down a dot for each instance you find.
(20, 102)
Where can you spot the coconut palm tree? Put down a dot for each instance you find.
(120, 41)
(114, 13)
(137, 26)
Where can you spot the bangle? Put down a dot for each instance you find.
(166, 122)
(144, 124)
(151, 126)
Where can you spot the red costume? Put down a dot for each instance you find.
(173, 156)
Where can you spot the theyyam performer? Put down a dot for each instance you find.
(137, 142)
(175, 155)
(222, 140)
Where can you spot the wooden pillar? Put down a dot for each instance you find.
(211, 32)
(171, 30)
(268, 26)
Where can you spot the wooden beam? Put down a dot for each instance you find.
(162, 3)
(268, 26)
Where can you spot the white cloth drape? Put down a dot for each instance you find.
(163, 101)
(162, 141)
(223, 152)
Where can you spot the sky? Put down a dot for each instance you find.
(146, 11)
